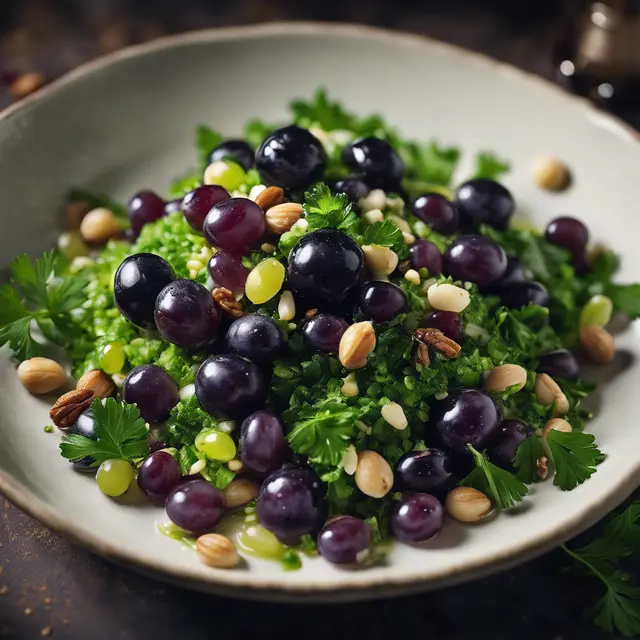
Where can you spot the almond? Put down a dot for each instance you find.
(374, 476)
(505, 376)
(380, 260)
(239, 491)
(41, 375)
(556, 424)
(357, 342)
(216, 550)
(550, 174)
(270, 197)
(548, 391)
(282, 217)
(99, 225)
(597, 343)
(99, 382)
(467, 504)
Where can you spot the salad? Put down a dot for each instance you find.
(325, 338)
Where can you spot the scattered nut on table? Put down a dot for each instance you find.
(550, 173)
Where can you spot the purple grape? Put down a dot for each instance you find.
(438, 212)
(568, 233)
(197, 203)
(159, 475)
(172, 206)
(143, 208)
(186, 314)
(559, 364)
(85, 426)
(155, 443)
(424, 254)
(152, 390)
(376, 161)
(520, 294)
(291, 503)
(257, 338)
(475, 259)
(324, 267)
(237, 151)
(513, 274)
(428, 471)
(466, 416)
(263, 445)
(343, 539)
(382, 301)
(234, 224)
(291, 158)
(353, 187)
(510, 435)
(196, 506)
(136, 285)
(230, 385)
(448, 322)
(485, 201)
(324, 331)
(226, 270)
(416, 517)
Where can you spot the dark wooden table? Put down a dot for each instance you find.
(50, 587)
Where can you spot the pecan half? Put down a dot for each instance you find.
(435, 338)
(69, 406)
(270, 197)
(227, 303)
(541, 468)
(422, 355)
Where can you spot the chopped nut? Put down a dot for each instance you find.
(357, 342)
(550, 174)
(197, 467)
(541, 468)
(270, 197)
(393, 413)
(434, 337)
(286, 306)
(412, 276)
(240, 491)
(548, 391)
(226, 301)
(505, 376)
(236, 466)
(448, 297)
(373, 216)
(597, 343)
(99, 225)
(374, 476)
(380, 260)
(467, 504)
(422, 355)
(267, 247)
(280, 218)
(99, 382)
(401, 223)
(375, 199)
(350, 460)
(256, 191)
(409, 238)
(556, 424)
(69, 406)
(350, 386)
(216, 550)
(41, 375)
(27, 83)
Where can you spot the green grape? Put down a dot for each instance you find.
(114, 477)
(113, 358)
(255, 540)
(216, 445)
(225, 173)
(597, 311)
(71, 245)
(264, 281)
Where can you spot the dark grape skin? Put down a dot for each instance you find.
(186, 315)
(475, 259)
(382, 301)
(416, 517)
(520, 294)
(291, 503)
(343, 539)
(236, 150)
(230, 385)
(424, 254)
(485, 201)
(143, 208)
(466, 416)
(172, 206)
(85, 426)
(195, 506)
(323, 332)
(159, 475)
(505, 443)
(263, 445)
(376, 161)
(559, 364)
(136, 285)
(323, 268)
(568, 233)
(354, 188)
(226, 270)
(438, 212)
(291, 158)
(257, 338)
(234, 224)
(196, 204)
(513, 274)
(152, 390)
(448, 322)
(429, 471)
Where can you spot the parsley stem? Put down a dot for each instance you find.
(586, 563)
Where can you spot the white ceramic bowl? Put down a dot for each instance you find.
(126, 122)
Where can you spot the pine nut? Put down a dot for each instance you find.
(393, 413)
(448, 297)
(286, 306)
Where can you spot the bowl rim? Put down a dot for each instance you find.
(350, 586)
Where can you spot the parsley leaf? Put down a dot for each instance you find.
(429, 162)
(385, 234)
(181, 186)
(527, 456)
(120, 433)
(490, 166)
(575, 456)
(206, 141)
(625, 298)
(505, 489)
(15, 324)
(324, 210)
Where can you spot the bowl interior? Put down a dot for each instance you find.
(129, 124)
